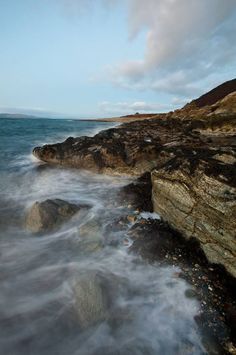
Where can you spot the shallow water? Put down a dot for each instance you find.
(144, 311)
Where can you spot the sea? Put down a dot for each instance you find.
(78, 290)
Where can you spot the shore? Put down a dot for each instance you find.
(188, 158)
(214, 288)
(125, 119)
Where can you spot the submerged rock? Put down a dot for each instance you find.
(46, 215)
(90, 299)
(91, 237)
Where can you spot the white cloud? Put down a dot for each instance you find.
(186, 41)
(121, 108)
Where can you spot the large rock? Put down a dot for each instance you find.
(91, 300)
(47, 215)
(197, 196)
(95, 295)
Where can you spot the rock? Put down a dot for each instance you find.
(137, 195)
(191, 154)
(132, 218)
(91, 229)
(95, 295)
(91, 236)
(197, 196)
(125, 149)
(91, 300)
(190, 293)
(49, 214)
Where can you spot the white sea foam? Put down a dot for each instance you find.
(149, 215)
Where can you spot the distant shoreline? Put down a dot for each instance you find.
(127, 118)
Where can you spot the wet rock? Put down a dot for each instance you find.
(125, 149)
(190, 293)
(95, 293)
(91, 300)
(49, 214)
(132, 218)
(90, 229)
(197, 196)
(138, 194)
(91, 236)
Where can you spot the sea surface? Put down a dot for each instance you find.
(77, 290)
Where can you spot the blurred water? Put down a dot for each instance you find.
(147, 312)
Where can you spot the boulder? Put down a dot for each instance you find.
(49, 214)
(90, 299)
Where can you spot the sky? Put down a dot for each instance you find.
(103, 58)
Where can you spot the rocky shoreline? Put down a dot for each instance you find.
(188, 158)
(211, 284)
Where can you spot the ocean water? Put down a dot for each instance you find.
(77, 290)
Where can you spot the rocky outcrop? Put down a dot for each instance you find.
(137, 147)
(129, 149)
(47, 215)
(192, 156)
(197, 196)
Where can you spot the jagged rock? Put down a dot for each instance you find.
(197, 196)
(126, 149)
(46, 215)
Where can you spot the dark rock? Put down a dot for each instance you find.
(47, 215)
(138, 194)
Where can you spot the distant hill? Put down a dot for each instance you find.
(215, 94)
(15, 115)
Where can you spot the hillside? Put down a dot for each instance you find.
(215, 94)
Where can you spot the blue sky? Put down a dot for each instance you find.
(85, 58)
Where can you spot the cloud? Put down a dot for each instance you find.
(186, 41)
(121, 108)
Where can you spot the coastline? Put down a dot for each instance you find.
(171, 146)
(125, 119)
(156, 242)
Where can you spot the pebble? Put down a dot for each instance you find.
(131, 218)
